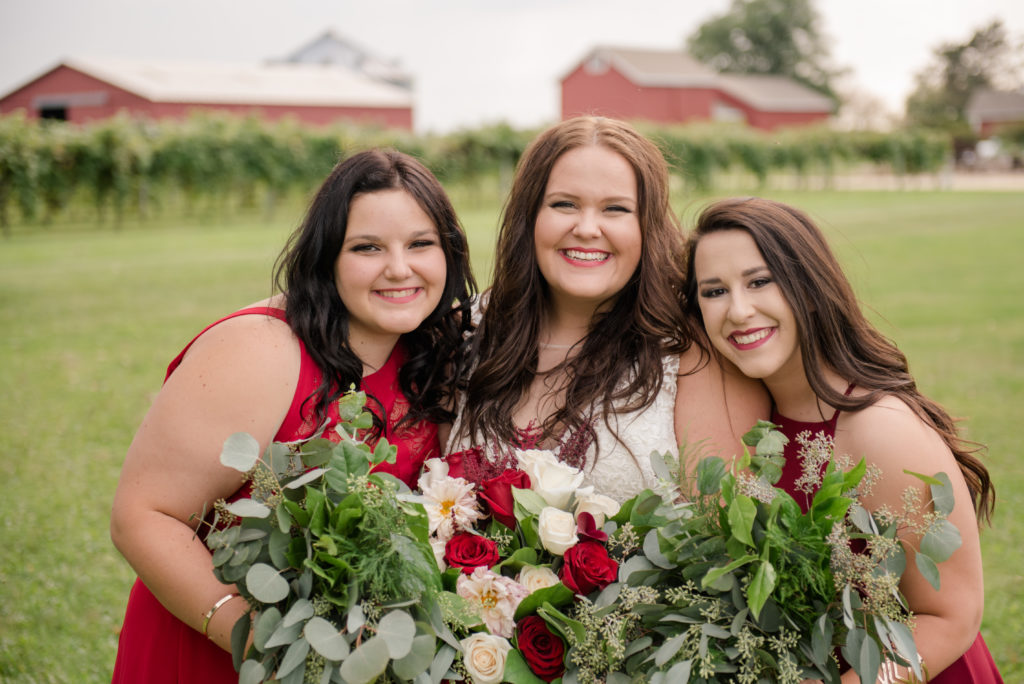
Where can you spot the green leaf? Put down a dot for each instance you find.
(710, 472)
(397, 629)
(821, 640)
(760, 587)
(326, 639)
(660, 465)
(240, 451)
(252, 672)
(239, 637)
(715, 631)
(771, 443)
(266, 624)
(928, 568)
(277, 548)
(283, 635)
(941, 540)
(247, 508)
(862, 519)
(712, 575)
(557, 595)
(531, 501)
(903, 643)
(443, 660)
(305, 478)
(942, 494)
(293, 657)
(927, 479)
(419, 658)
(366, 663)
(384, 452)
(266, 584)
(652, 549)
(668, 650)
(869, 662)
(300, 611)
(742, 512)
(562, 623)
(680, 672)
(517, 671)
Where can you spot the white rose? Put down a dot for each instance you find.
(598, 505)
(484, 656)
(555, 481)
(557, 530)
(534, 577)
(434, 471)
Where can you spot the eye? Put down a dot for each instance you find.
(422, 243)
(364, 247)
(760, 281)
(712, 292)
(619, 209)
(562, 204)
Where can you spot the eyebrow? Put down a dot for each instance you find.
(566, 193)
(371, 236)
(745, 273)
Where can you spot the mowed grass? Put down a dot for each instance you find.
(91, 318)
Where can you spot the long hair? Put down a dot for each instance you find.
(619, 366)
(834, 333)
(304, 272)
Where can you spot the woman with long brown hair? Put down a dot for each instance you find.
(579, 342)
(775, 302)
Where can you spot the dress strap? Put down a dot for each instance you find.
(835, 416)
(264, 310)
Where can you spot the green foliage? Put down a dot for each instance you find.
(339, 573)
(767, 37)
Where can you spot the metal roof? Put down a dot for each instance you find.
(312, 85)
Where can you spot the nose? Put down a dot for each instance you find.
(740, 307)
(587, 226)
(397, 267)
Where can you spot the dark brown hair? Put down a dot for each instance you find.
(621, 356)
(304, 271)
(834, 333)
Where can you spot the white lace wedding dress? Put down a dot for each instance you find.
(620, 468)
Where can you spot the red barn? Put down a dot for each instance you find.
(669, 86)
(989, 110)
(80, 90)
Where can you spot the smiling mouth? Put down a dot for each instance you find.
(580, 255)
(752, 338)
(405, 293)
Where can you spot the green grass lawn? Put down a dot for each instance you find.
(91, 318)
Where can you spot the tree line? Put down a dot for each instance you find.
(217, 160)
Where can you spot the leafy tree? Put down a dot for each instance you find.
(767, 37)
(989, 59)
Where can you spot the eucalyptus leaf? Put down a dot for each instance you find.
(680, 672)
(417, 661)
(869, 662)
(300, 611)
(266, 624)
(277, 547)
(283, 635)
(668, 650)
(715, 631)
(326, 639)
(365, 663)
(356, 619)
(652, 549)
(241, 451)
(928, 568)
(903, 643)
(252, 672)
(635, 564)
(247, 508)
(443, 660)
(862, 519)
(942, 494)
(397, 629)
(239, 635)
(306, 478)
(608, 595)
(266, 584)
(660, 465)
(821, 640)
(293, 657)
(941, 540)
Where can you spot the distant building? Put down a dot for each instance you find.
(313, 91)
(669, 86)
(989, 110)
(330, 48)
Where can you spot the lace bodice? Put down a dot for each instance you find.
(622, 469)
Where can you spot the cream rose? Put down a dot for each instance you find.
(533, 578)
(557, 530)
(555, 481)
(484, 656)
(598, 505)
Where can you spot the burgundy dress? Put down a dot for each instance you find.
(973, 667)
(157, 648)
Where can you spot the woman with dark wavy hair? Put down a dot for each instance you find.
(375, 289)
(579, 341)
(775, 302)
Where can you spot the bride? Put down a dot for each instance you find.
(582, 346)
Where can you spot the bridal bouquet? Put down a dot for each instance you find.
(516, 573)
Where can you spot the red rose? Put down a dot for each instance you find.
(587, 567)
(496, 493)
(542, 650)
(469, 551)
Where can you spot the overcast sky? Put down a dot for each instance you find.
(474, 61)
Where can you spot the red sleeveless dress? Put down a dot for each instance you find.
(157, 648)
(973, 667)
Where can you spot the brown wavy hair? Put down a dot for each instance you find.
(834, 333)
(619, 367)
(437, 351)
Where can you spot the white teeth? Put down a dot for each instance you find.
(752, 337)
(395, 294)
(586, 256)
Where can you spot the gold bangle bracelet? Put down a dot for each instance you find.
(216, 606)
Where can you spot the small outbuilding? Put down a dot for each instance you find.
(669, 86)
(86, 89)
(989, 110)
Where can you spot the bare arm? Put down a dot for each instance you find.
(238, 377)
(715, 406)
(889, 435)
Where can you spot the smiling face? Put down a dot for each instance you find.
(391, 270)
(587, 234)
(745, 312)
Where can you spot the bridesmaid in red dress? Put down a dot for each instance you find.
(775, 303)
(375, 286)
